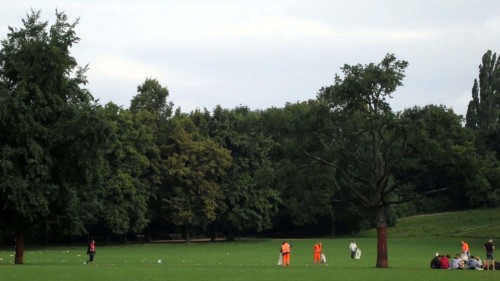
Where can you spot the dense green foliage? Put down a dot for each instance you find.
(484, 109)
(335, 165)
(47, 129)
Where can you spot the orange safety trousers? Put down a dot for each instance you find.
(286, 259)
(317, 257)
(317, 253)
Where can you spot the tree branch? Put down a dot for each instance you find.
(415, 197)
(334, 165)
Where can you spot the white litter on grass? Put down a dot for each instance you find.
(159, 261)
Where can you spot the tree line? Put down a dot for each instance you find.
(337, 164)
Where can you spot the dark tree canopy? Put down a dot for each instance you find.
(42, 100)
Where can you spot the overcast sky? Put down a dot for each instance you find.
(262, 54)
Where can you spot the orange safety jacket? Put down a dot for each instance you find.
(317, 248)
(465, 247)
(285, 248)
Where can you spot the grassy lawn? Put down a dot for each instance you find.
(241, 260)
(479, 223)
(412, 245)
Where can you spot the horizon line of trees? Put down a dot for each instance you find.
(344, 162)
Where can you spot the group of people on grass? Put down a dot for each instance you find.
(318, 255)
(465, 260)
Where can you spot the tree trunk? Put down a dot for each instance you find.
(46, 233)
(212, 232)
(382, 260)
(187, 234)
(333, 230)
(19, 258)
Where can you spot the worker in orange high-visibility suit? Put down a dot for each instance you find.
(317, 248)
(285, 252)
(465, 248)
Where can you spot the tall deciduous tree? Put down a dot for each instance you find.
(306, 187)
(152, 97)
(42, 103)
(369, 140)
(444, 156)
(196, 166)
(124, 191)
(250, 201)
(151, 108)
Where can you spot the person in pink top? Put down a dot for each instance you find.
(91, 251)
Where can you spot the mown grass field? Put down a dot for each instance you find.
(479, 223)
(249, 259)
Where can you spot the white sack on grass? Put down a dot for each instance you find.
(323, 258)
(358, 254)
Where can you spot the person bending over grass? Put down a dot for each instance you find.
(285, 252)
(317, 249)
(353, 247)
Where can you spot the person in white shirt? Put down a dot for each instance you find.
(353, 247)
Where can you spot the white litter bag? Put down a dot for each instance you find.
(357, 254)
(280, 260)
(323, 258)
